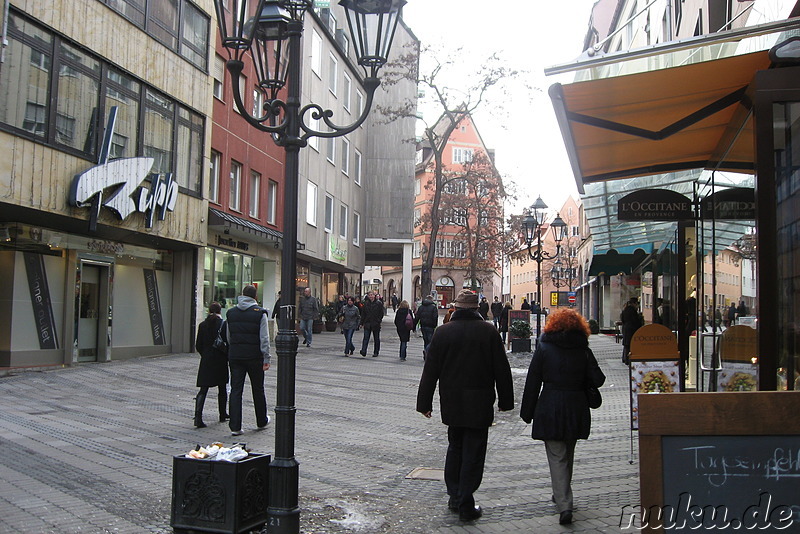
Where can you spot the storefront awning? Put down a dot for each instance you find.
(689, 117)
(217, 218)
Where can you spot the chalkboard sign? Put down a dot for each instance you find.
(732, 482)
(720, 462)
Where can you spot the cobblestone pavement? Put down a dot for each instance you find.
(89, 448)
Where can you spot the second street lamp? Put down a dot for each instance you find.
(271, 35)
(533, 223)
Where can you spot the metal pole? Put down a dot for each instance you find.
(538, 282)
(283, 510)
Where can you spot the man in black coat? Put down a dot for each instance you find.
(248, 355)
(428, 320)
(371, 316)
(497, 311)
(466, 357)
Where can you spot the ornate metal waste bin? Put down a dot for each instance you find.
(218, 496)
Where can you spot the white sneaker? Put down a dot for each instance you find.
(236, 432)
(265, 426)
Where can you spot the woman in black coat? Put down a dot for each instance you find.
(403, 330)
(555, 397)
(504, 320)
(213, 370)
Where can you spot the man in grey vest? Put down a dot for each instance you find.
(248, 354)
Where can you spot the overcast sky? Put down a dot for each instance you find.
(529, 35)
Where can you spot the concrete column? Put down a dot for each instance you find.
(408, 282)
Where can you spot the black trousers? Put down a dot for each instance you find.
(463, 466)
(255, 370)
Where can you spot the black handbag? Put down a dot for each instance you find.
(220, 343)
(592, 393)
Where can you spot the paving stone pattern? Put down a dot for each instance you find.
(89, 448)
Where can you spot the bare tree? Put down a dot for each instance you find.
(455, 102)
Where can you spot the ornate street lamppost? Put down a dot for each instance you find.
(271, 36)
(532, 224)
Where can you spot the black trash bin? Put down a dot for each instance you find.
(219, 496)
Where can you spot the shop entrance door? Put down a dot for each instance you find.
(93, 313)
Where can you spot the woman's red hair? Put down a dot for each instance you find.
(566, 319)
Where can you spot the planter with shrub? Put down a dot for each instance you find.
(521, 332)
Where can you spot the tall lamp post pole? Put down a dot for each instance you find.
(532, 224)
(272, 36)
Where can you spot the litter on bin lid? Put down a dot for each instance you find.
(218, 451)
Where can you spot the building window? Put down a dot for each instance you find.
(343, 218)
(575, 231)
(59, 111)
(417, 217)
(313, 141)
(417, 186)
(328, 213)
(357, 166)
(235, 185)
(331, 22)
(415, 251)
(158, 131)
(316, 53)
(333, 73)
(166, 20)
(331, 149)
(255, 194)
(359, 103)
(345, 156)
(347, 88)
(213, 180)
(356, 229)
(311, 203)
(218, 73)
(462, 155)
(272, 201)
(258, 103)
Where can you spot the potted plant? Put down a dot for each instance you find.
(521, 332)
(328, 313)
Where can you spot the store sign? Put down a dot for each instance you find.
(154, 306)
(232, 243)
(736, 203)
(337, 250)
(44, 319)
(654, 205)
(117, 185)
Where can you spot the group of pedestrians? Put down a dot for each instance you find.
(467, 360)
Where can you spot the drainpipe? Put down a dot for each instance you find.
(4, 42)
(669, 20)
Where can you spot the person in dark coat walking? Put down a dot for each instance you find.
(213, 369)
(428, 319)
(351, 318)
(405, 322)
(248, 356)
(555, 401)
(504, 320)
(497, 309)
(467, 359)
(631, 322)
(731, 315)
(483, 308)
(371, 317)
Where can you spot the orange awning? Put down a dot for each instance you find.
(689, 117)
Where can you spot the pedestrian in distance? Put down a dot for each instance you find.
(731, 315)
(213, 369)
(450, 310)
(308, 311)
(351, 317)
(504, 320)
(483, 308)
(277, 307)
(467, 359)
(428, 319)
(248, 355)
(631, 322)
(395, 302)
(371, 318)
(555, 400)
(497, 310)
(525, 304)
(405, 323)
